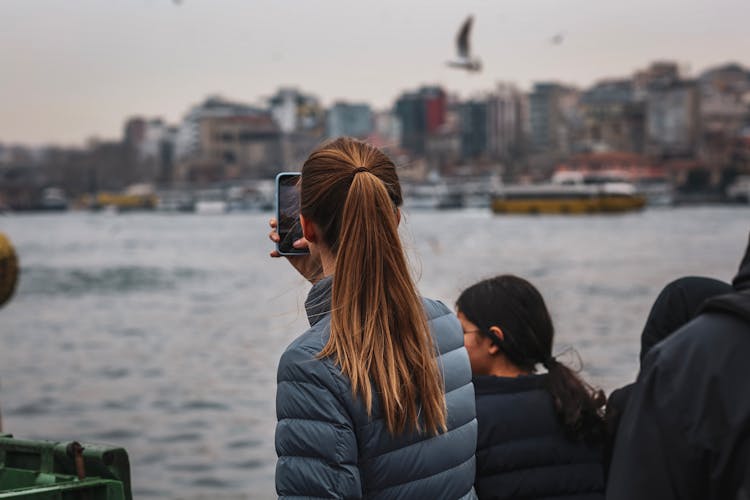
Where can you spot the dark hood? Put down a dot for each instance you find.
(677, 304)
(737, 303)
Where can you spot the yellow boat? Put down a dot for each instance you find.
(567, 199)
(135, 197)
(125, 201)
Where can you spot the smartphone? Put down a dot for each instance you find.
(287, 213)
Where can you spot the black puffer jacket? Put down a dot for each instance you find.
(522, 451)
(686, 431)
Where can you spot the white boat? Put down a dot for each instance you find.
(739, 190)
(658, 192)
(175, 201)
(210, 207)
(421, 197)
(53, 198)
(652, 184)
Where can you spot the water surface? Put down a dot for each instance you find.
(161, 333)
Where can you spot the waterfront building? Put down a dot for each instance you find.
(140, 133)
(348, 119)
(247, 145)
(659, 73)
(19, 186)
(443, 145)
(507, 111)
(672, 118)
(151, 144)
(421, 113)
(301, 122)
(14, 154)
(553, 117)
(730, 78)
(613, 119)
(410, 112)
(671, 101)
(200, 172)
(155, 132)
(188, 138)
(295, 111)
(435, 105)
(387, 129)
(474, 119)
(724, 113)
(626, 165)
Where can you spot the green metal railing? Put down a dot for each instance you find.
(52, 470)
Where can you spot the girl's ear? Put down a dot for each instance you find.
(308, 229)
(497, 332)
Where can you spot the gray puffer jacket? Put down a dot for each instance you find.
(329, 447)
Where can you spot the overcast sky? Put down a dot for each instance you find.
(73, 69)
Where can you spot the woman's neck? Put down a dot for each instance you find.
(328, 262)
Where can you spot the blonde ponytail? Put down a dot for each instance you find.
(379, 333)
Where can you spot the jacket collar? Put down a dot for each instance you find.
(489, 384)
(318, 303)
(737, 303)
(742, 280)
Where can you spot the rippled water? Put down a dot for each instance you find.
(161, 333)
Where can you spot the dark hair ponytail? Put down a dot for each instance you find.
(517, 307)
(579, 406)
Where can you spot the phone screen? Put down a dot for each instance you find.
(287, 213)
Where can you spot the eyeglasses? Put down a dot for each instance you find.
(490, 334)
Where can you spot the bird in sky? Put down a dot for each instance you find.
(463, 46)
(557, 39)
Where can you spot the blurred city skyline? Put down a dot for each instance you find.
(73, 70)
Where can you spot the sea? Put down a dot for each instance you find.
(161, 333)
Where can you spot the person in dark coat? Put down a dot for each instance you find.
(685, 433)
(375, 399)
(677, 304)
(540, 434)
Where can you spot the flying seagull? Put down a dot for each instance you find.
(557, 39)
(464, 59)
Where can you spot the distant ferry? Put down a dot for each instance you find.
(134, 197)
(569, 193)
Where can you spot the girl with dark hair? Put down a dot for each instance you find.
(540, 435)
(375, 399)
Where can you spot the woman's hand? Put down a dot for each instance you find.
(307, 265)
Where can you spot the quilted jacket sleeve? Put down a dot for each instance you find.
(315, 439)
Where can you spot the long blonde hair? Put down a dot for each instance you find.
(379, 332)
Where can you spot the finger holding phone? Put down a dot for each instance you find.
(286, 229)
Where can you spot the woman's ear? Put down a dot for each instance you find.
(308, 229)
(497, 332)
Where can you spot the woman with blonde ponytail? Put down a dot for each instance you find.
(375, 399)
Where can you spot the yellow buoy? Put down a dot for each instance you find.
(8, 269)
